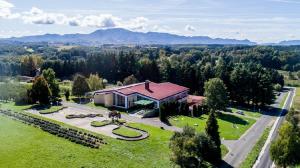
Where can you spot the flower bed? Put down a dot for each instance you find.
(71, 116)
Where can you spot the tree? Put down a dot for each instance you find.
(212, 131)
(130, 80)
(80, 86)
(189, 149)
(285, 149)
(49, 76)
(95, 82)
(67, 95)
(29, 64)
(216, 94)
(41, 91)
(277, 87)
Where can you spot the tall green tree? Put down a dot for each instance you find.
(49, 76)
(189, 149)
(95, 82)
(212, 130)
(80, 86)
(216, 94)
(41, 91)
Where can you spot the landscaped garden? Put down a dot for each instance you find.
(230, 127)
(26, 146)
(126, 132)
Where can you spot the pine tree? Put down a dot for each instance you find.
(212, 130)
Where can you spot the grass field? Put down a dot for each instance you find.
(231, 127)
(252, 156)
(126, 132)
(26, 146)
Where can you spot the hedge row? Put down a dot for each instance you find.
(72, 135)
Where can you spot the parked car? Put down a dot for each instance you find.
(240, 112)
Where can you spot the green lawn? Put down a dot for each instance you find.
(26, 146)
(250, 113)
(52, 109)
(231, 127)
(252, 156)
(126, 132)
(13, 107)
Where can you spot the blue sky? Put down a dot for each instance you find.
(257, 20)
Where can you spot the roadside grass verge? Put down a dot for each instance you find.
(296, 103)
(231, 127)
(224, 150)
(123, 131)
(253, 155)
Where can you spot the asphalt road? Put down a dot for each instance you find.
(239, 149)
(264, 161)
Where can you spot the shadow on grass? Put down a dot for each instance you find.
(232, 119)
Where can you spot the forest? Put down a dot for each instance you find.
(249, 72)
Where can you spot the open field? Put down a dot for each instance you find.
(231, 127)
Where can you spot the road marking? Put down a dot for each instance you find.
(270, 134)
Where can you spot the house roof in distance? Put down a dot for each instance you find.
(157, 91)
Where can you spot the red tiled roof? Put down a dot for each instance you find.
(195, 100)
(156, 91)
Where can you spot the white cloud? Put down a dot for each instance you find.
(5, 9)
(189, 28)
(38, 16)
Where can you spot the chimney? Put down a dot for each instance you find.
(147, 85)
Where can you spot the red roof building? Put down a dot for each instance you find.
(126, 96)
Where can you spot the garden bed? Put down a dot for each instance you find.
(71, 116)
(126, 132)
(52, 109)
(100, 123)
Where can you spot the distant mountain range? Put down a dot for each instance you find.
(123, 36)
